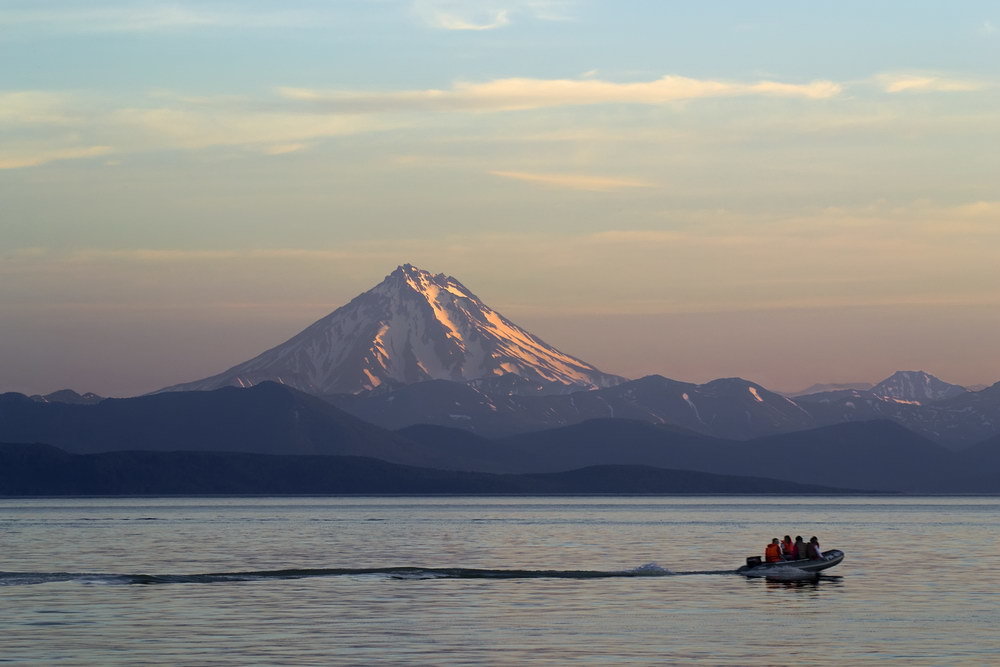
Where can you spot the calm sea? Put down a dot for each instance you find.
(503, 581)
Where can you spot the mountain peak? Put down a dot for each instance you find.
(917, 387)
(68, 396)
(423, 282)
(412, 327)
(408, 273)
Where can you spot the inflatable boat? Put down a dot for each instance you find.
(756, 566)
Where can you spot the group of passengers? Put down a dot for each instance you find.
(778, 551)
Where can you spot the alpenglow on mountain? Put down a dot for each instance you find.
(411, 327)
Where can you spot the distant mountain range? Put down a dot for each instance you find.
(419, 372)
(278, 420)
(727, 408)
(958, 420)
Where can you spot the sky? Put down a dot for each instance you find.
(787, 192)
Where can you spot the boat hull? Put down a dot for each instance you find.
(829, 559)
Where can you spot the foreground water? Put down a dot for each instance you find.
(493, 580)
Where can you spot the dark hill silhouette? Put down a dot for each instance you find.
(878, 455)
(457, 449)
(268, 419)
(45, 470)
(980, 469)
(985, 453)
(615, 442)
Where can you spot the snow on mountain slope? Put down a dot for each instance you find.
(411, 327)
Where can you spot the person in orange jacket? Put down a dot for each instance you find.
(772, 552)
(788, 548)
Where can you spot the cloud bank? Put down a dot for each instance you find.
(923, 83)
(517, 94)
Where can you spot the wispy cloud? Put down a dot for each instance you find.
(283, 149)
(524, 93)
(574, 181)
(881, 226)
(45, 127)
(147, 17)
(448, 21)
(485, 14)
(32, 107)
(926, 83)
(13, 159)
(170, 127)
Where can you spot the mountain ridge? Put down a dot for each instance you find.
(731, 408)
(726, 407)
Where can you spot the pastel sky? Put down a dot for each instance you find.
(790, 192)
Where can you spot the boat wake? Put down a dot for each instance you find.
(417, 573)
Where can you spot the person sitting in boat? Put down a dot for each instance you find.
(813, 552)
(788, 548)
(799, 548)
(772, 552)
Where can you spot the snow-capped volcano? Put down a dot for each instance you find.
(413, 326)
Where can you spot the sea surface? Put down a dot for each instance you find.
(500, 581)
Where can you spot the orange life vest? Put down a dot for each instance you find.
(772, 553)
(788, 547)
